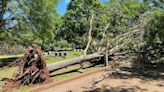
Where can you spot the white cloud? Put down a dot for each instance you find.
(67, 1)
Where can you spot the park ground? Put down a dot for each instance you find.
(58, 75)
(130, 80)
(84, 84)
(114, 83)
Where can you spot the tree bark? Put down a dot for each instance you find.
(89, 35)
(76, 60)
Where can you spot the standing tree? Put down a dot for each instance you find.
(76, 19)
(25, 22)
(40, 15)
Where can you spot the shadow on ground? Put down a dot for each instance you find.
(7, 61)
(73, 70)
(116, 89)
(144, 72)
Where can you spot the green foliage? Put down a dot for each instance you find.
(121, 15)
(125, 15)
(154, 36)
(41, 18)
(154, 3)
(155, 27)
(30, 22)
(5, 20)
(62, 43)
(76, 19)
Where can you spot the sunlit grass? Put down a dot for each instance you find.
(10, 56)
(49, 59)
(71, 54)
(6, 73)
(72, 71)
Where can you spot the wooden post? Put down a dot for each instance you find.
(106, 54)
(56, 54)
(106, 58)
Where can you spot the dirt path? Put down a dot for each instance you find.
(84, 84)
(133, 84)
(77, 85)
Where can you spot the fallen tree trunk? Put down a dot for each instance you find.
(76, 60)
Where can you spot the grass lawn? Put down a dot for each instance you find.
(71, 54)
(49, 59)
(72, 71)
(10, 56)
(6, 72)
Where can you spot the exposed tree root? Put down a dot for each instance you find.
(32, 69)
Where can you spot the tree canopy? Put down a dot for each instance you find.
(75, 21)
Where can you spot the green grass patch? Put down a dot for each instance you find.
(10, 56)
(72, 71)
(49, 59)
(71, 54)
(7, 73)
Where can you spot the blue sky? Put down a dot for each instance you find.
(62, 6)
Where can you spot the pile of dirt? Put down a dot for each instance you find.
(32, 69)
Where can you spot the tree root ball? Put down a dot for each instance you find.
(32, 69)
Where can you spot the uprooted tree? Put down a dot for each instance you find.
(121, 27)
(32, 69)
